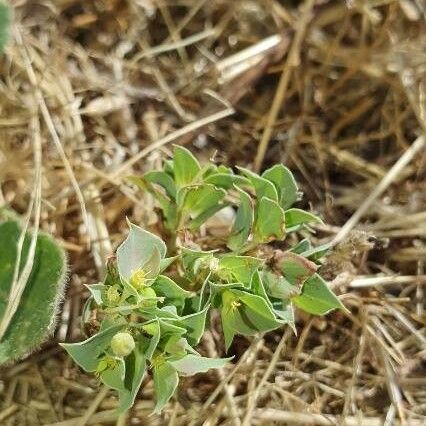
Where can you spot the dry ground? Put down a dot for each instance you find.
(334, 90)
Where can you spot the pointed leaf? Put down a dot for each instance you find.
(136, 250)
(185, 166)
(173, 294)
(316, 297)
(165, 383)
(97, 291)
(226, 180)
(135, 372)
(195, 325)
(295, 217)
(192, 364)
(86, 354)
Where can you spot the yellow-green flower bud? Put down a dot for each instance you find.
(138, 279)
(122, 344)
(148, 292)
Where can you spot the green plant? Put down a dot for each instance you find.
(28, 327)
(153, 309)
(4, 24)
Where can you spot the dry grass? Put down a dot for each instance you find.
(334, 90)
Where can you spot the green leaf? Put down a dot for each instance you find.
(5, 17)
(246, 314)
(164, 180)
(165, 383)
(87, 353)
(283, 309)
(173, 294)
(185, 166)
(36, 312)
(295, 268)
(226, 180)
(258, 288)
(113, 376)
(136, 250)
(316, 253)
(238, 268)
(301, 246)
(277, 286)
(295, 217)
(262, 186)
(285, 184)
(166, 262)
(201, 199)
(97, 291)
(316, 298)
(270, 220)
(153, 329)
(193, 364)
(194, 260)
(243, 222)
(196, 223)
(135, 372)
(195, 325)
(169, 328)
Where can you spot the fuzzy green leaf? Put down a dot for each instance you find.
(185, 166)
(35, 316)
(316, 297)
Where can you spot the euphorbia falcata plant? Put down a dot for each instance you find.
(154, 303)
